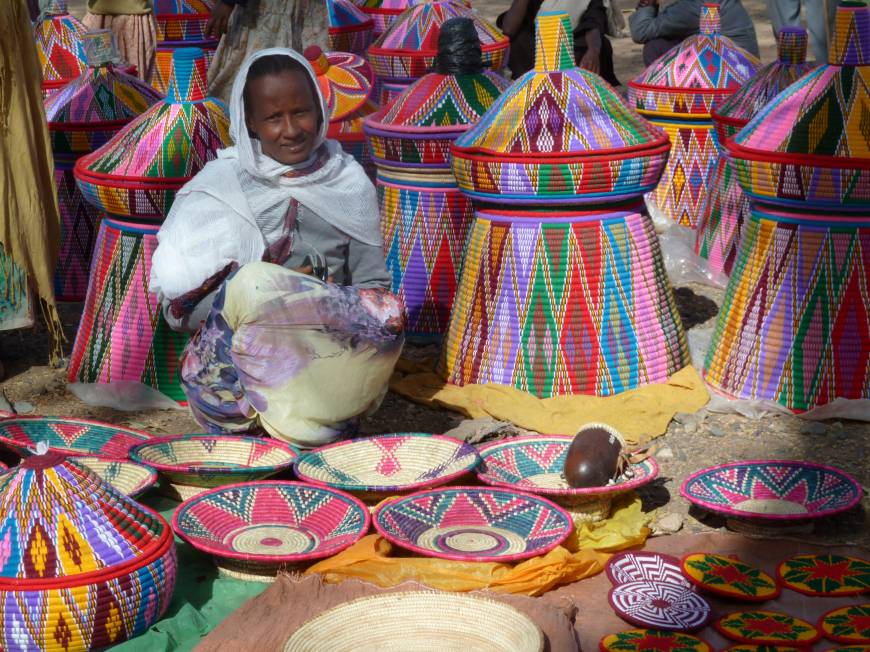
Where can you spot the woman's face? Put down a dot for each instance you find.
(283, 114)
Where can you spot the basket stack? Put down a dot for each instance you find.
(82, 116)
(85, 567)
(346, 82)
(180, 24)
(406, 51)
(563, 288)
(134, 177)
(350, 30)
(727, 208)
(794, 324)
(383, 13)
(424, 218)
(677, 92)
(59, 47)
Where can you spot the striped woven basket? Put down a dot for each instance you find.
(350, 29)
(59, 47)
(70, 436)
(128, 478)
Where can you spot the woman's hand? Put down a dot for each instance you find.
(219, 19)
(308, 270)
(591, 60)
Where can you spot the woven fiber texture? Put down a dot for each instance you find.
(660, 605)
(163, 60)
(350, 29)
(729, 578)
(59, 47)
(128, 478)
(849, 625)
(763, 627)
(349, 132)
(180, 24)
(643, 566)
(825, 574)
(647, 640)
(69, 435)
(87, 567)
(122, 335)
(345, 80)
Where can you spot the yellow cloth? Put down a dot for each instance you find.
(370, 560)
(29, 218)
(639, 414)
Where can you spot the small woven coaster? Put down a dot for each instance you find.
(825, 574)
(729, 578)
(849, 624)
(651, 640)
(660, 605)
(748, 647)
(766, 628)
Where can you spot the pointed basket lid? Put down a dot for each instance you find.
(345, 80)
(386, 8)
(182, 7)
(552, 118)
(691, 77)
(59, 46)
(811, 143)
(408, 48)
(62, 525)
(168, 144)
(345, 16)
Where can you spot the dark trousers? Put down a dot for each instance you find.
(652, 50)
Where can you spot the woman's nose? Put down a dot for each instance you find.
(289, 128)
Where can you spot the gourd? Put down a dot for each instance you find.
(595, 457)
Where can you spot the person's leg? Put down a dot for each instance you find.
(820, 21)
(655, 48)
(784, 13)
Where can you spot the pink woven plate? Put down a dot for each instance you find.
(69, 435)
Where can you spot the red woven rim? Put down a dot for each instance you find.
(113, 181)
(682, 89)
(810, 160)
(725, 594)
(429, 52)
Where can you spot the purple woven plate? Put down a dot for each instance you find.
(660, 605)
(645, 567)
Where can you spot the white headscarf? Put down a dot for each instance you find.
(211, 224)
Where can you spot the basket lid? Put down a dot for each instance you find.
(59, 44)
(345, 80)
(385, 7)
(344, 15)
(687, 77)
(62, 522)
(820, 121)
(770, 80)
(171, 141)
(182, 7)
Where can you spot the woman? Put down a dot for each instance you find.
(277, 348)
(135, 29)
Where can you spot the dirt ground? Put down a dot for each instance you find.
(692, 441)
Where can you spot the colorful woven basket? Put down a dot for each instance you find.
(406, 50)
(59, 47)
(128, 478)
(659, 605)
(86, 567)
(122, 335)
(349, 132)
(260, 527)
(192, 464)
(729, 578)
(726, 207)
(180, 24)
(160, 79)
(825, 575)
(383, 12)
(652, 640)
(82, 116)
(424, 620)
(849, 624)
(350, 30)
(773, 490)
(677, 92)
(136, 174)
(767, 628)
(473, 524)
(568, 302)
(69, 435)
(644, 566)
(388, 464)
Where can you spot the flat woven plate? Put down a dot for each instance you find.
(473, 524)
(767, 628)
(849, 648)
(271, 522)
(651, 640)
(215, 460)
(729, 578)
(390, 463)
(660, 605)
(825, 574)
(69, 435)
(773, 490)
(130, 478)
(535, 464)
(423, 620)
(644, 566)
(849, 624)
(748, 647)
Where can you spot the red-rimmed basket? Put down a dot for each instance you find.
(80, 553)
(254, 529)
(729, 578)
(59, 47)
(350, 29)
(473, 523)
(349, 132)
(69, 435)
(180, 24)
(383, 12)
(644, 566)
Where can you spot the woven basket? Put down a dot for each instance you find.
(446, 622)
(163, 59)
(729, 578)
(847, 625)
(644, 566)
(69, 435)
(59, 47)
(383, 13)
(825, 575)
(182, 20)
(91, 567)
(349, 132)
(190, 464)
(761, 627)
(566, 303)
(660, 606)
(772, 491)
(473, 524)
(647, 640)
(261, 526)
(388, 464)
(128, 478)
(349, 28)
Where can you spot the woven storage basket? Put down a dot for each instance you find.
(419, 621)
(406, 51)
(82, 116)
(350, 30)
(677, 92)
(89, 568)
(163, 60)
(69, 435)
(128, 478)
(59, 47)
(349, 132)
(259, 528)
(191, 464)
(383, 13)
(726, 207)
(180, 24)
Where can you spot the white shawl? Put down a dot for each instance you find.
(211, 225)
